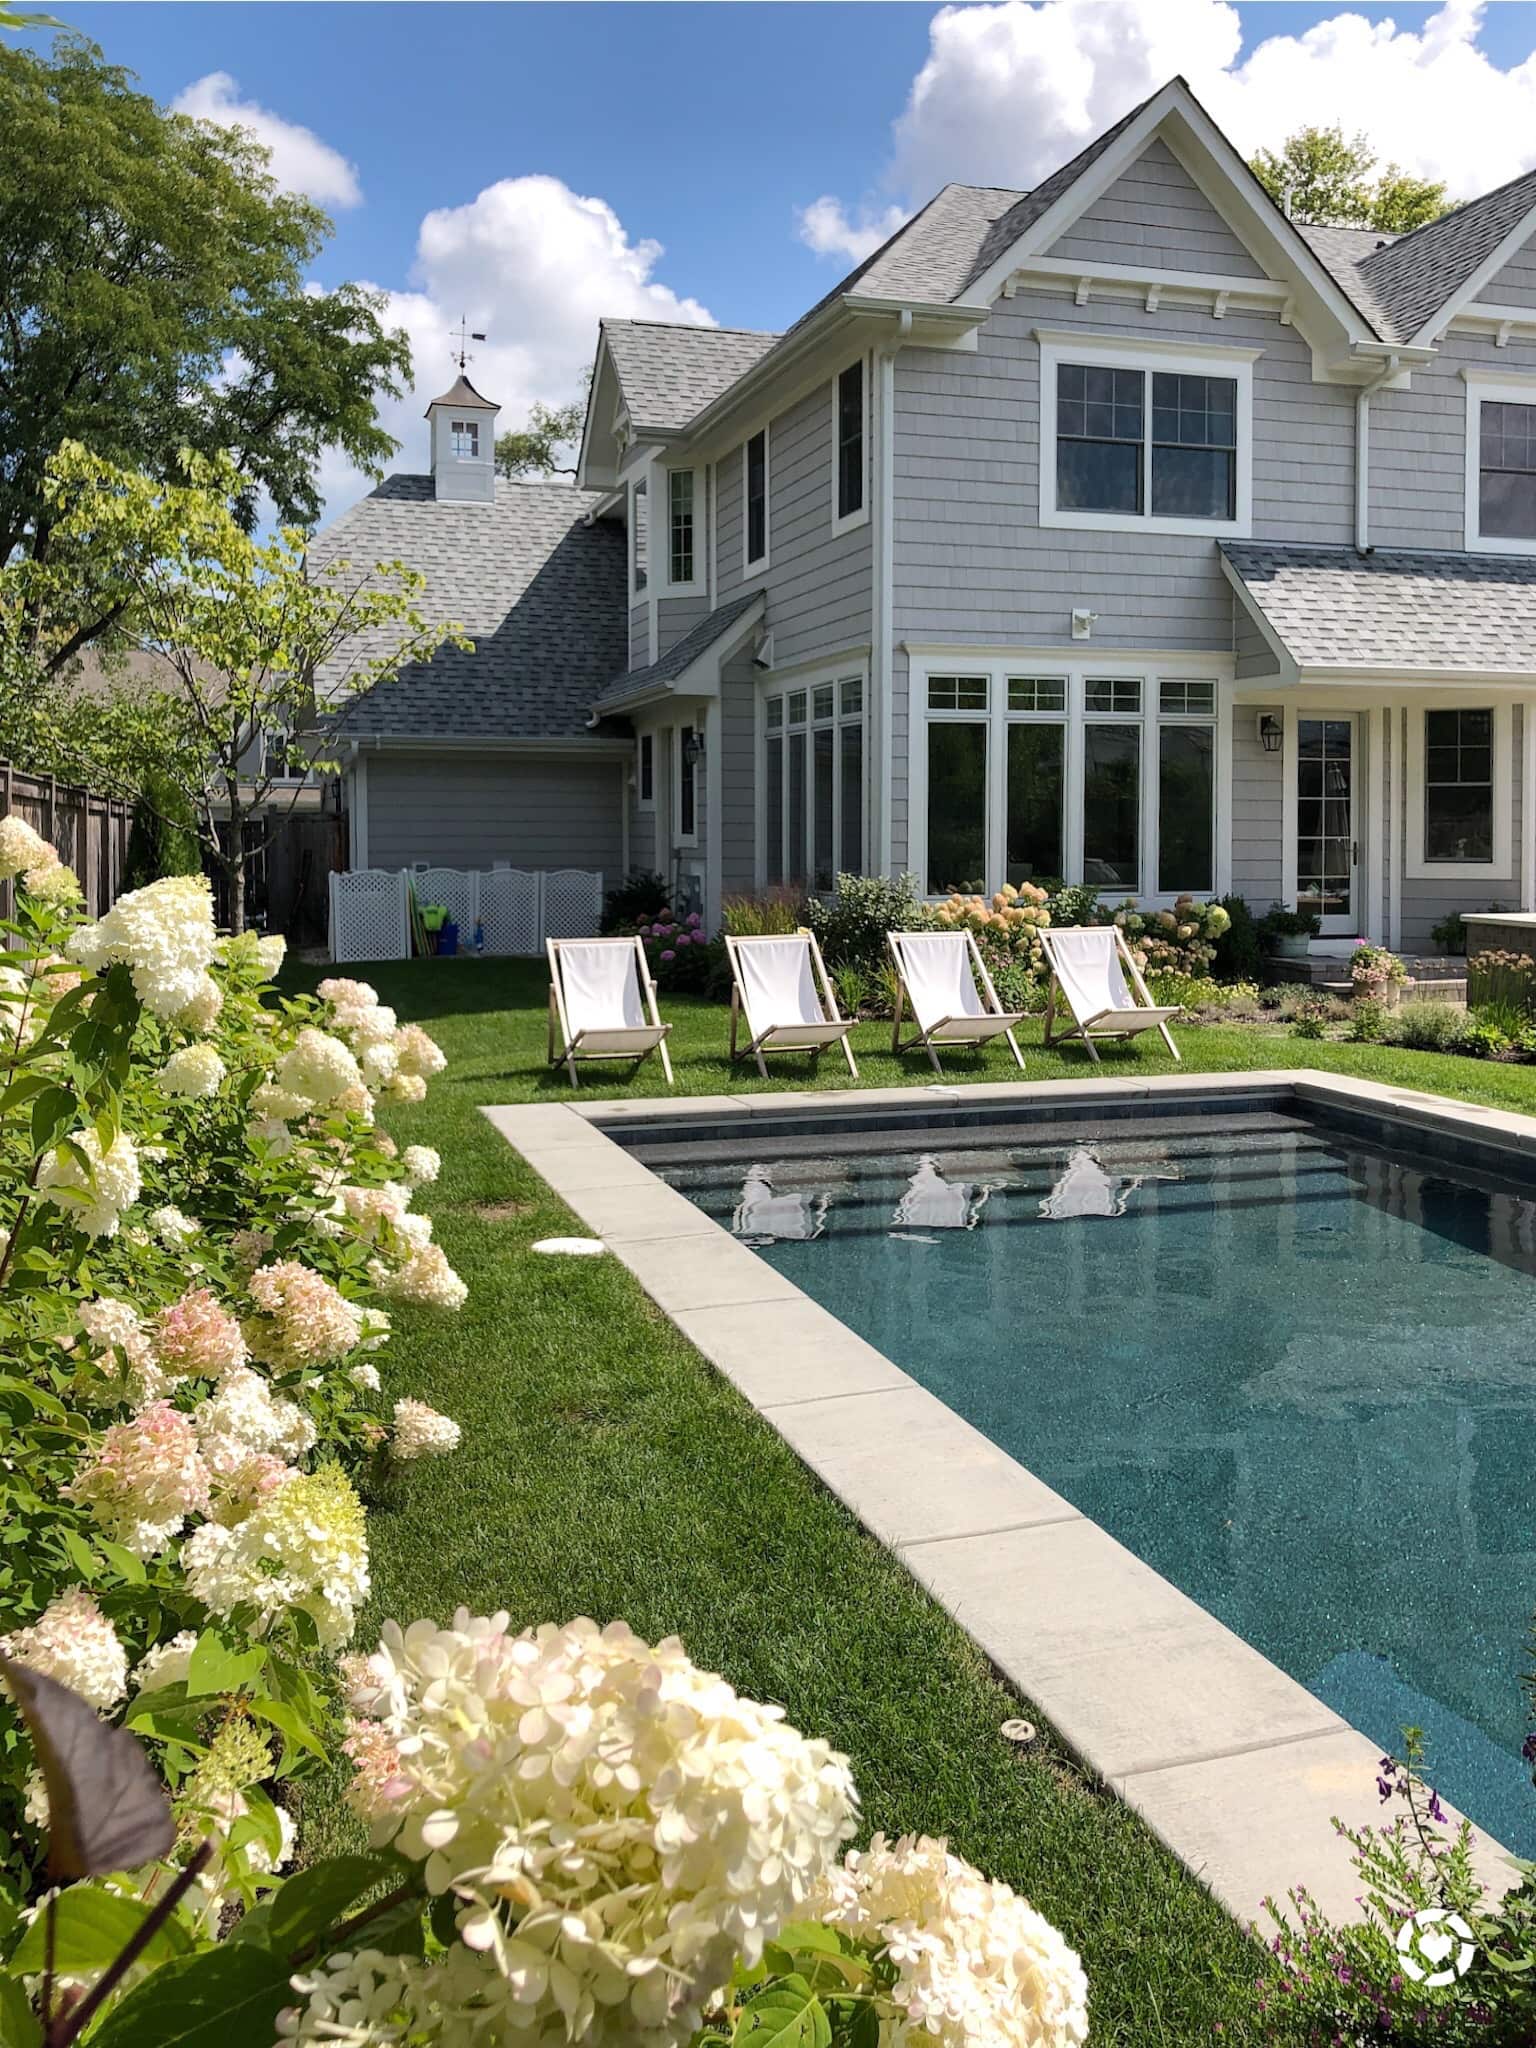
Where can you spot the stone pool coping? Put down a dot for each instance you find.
(1233, 1763)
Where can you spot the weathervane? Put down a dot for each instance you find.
(465, 335)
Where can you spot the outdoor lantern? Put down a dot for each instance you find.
(693, 749)
(1271, 732)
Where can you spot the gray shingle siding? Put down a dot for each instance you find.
(1515, 284)
(639, 635)
(676, 618)
(738, 822)
(1257, 812)
(1156, 213)
(471, 813)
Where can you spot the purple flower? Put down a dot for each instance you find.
(1383, 1785)
(1436, 1810)
(1528, 1749)
(694, 917)
(669, 954)
(683, 939)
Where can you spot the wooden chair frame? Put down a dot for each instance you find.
(928, 1040)
(1155, 1018)
(836, 1030)
(570, 1044)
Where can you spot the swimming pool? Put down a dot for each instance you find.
(1289, 1363)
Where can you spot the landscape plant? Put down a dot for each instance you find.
(1499, 977)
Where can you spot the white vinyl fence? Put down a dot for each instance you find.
(516, 908)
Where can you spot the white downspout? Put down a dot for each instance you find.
(1363, 450)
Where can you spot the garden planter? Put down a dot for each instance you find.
(1292, 946)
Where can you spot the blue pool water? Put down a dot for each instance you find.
(1294, 1373)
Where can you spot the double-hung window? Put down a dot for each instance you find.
(848, 448)
(687, 785)
(1460, 794)
(465, 436)
(681, 545)
(1161, 440)
(754, 486)
(1501, 465)
(645, 771)
(813, 784)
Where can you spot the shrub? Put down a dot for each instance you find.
(1239, 956)
(1367, 1020)
(1450, 934)
(1502, 978)
(851, 928)
(678, 950)
(1427, 1027)
(756, 917)
(1006, 926)
(162, 834)
(851, 986)
(1200, 996)
(639, 898)
(1314, 1014)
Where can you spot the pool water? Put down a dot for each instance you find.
(1292, 1371)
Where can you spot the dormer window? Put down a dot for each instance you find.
(465, 439)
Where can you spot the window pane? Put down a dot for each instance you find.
(822, 701)
(1113, 693)
(852, 695)
(1098, 476)
(1194, 483)
(647, 767)
(1035, 757)
(822, 862)
(1111, 804)
(757, 497)
(1177, 696)
(1186, 795)
(1507, 504)
(775, 713)
(850, 440)
(1458, 786)
(773, 798)
(794, 848)
(687, 785)
(1196, 412)
(1037, 693)
(957, 807)
(681, 508)
(797, 707)
(851, 859)
(957, 693)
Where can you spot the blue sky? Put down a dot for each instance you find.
(710, 129)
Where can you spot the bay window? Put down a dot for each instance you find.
(813, 784)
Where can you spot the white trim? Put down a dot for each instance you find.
(1375, 720)
(1474, 873)
(1224, 718)
(1288, 783)
(1528, 806)
(1519, 321)
(1135, 353)
(711, 559)
(754, 566)
(357, 851)
(1395, 831)
(882, 670)
(781, 684)
(1136, 280)
(714, 811)
(642, 741)
(634, 485)
(1359, 799)
(1502, 387)
(696, 584)
(846, 522)
(1484, 274)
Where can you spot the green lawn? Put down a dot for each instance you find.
(607, 1470)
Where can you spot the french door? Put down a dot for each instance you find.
(1327, 828)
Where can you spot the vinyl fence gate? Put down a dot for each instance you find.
(517, 909)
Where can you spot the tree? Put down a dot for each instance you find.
(156, 296)
(1321, 177)
(534, 449)
(255, 640)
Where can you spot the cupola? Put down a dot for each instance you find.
(463, 445)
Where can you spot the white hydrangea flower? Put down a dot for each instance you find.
(95, 1196)
(544, 1777)
(343, 994)
(201, 1012)
(164, 934)
(52, 882)
(421, 1432)
(378, 1063)
(309, 1321)
(73, 1641)
(195, 1071)
(404, 1088)
(418, 1054)
(976, 1965)
(271, 950)
(421, 1164)
(317, 1069)
(365, 1377)
(426, 1277)
(167, 1663)
(245, 1416)
(361, 1999)
(174, 1230)
(21, 848)
(303, 1546)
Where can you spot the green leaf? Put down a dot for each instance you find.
(216, 1668)
(287, 1721)
(788, 2014)
(52, 1112)
(122, 1561)
(81, 1555)
(312, 1901)
(19, 2027)
(90, 1928)
(226, 1997)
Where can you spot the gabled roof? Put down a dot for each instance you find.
(539, 591)
(671, 667)
(1417, 275)
(1343, 251)
(668, 373)
(1398, 609)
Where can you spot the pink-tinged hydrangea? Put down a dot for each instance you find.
(144, 1479)
(164, 934)
(377, 1785)
(168, 1663)
(421, 1432)
(421, 1165)
(21, 848)
(241, 1482)
(96, 1193)
(976, 1965)
(117, 1327)
(305, 1546)
(417, 1053)
(355, 1101)
(247, 1248)
(555, 1772)
(316, 1069)
(308, 1322)
(425, 1277)
(73, 1641)
(195, 1071)
(197, 1338)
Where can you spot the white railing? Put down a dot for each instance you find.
(517, 909)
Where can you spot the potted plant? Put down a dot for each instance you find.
(1289, 933)
(1374, 970)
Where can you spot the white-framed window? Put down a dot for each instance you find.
(1033, 770)
(850, 448)
(685, 560)
(1138, 436)
(465, 438)
(754, 501)
(645, 771)
(1460, 790)
(282, 761)
(639, 536)
(1501, 464)
(812, 782)
(685, 782)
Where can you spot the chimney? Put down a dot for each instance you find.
(463, 445)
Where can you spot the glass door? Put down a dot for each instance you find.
(1327, 848)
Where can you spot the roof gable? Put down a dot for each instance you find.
(1155, 213)
(668, 373)
(1423, 279)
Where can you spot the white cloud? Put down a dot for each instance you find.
(301, 162)
(826, 226)
(1011, 91)
(533, 265)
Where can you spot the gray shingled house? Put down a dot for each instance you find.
(1119, 530)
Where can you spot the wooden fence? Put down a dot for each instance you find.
(90, 832)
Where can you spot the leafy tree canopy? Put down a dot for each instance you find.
(535, 449)
(156, 296)
(1321, 176)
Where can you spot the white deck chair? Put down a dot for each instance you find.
(774, 987)
(1093, 973)
(945, 980)
(600, 991)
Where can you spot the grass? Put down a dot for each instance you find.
(606, 1469)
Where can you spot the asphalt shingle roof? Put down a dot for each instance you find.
(1396, 609)
(1413, 276)
(667, 373)
(541, 593)
(680, 656)
(1341, 251)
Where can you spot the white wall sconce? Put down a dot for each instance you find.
(1082, 622)
(1271, 732)
(693, 749)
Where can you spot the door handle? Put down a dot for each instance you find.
(1354, 853)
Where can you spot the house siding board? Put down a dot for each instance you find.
(1255, 660)
(738, 754)
(1418, 448)
(1257, 812)
(1515, 284)
(1155, 213)
(676, 618)
(639, 635)
(457, 813)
